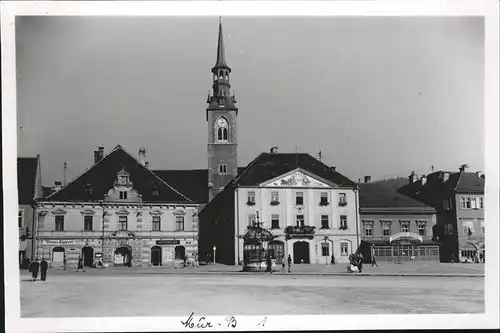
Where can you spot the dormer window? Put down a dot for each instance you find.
(155, 191)
(123, 195)
(222, 129)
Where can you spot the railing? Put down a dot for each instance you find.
(305, 230)
(476, 238)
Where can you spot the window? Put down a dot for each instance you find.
(123, 195)
(251, 219)
(222, 129)
(405, 226)
(474, 202)
(343, 222)
(300, 221)
(422, 227)
(343, 249)
(299, 198)
(468, 228)
(323, 201)
(275, 221)
(368, 228)
(222, 169)
(179, 223)
(156, 223)
(20, 218)
(59, 222)
(342, 199)
(463, 204)
(122, 222)
(88, 222)
(251, 198)
(274, 198)
(325, 249)
(324, 222)
(481, 203)
(386, 229)
(468, 202)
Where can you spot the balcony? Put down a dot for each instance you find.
(305, 231)
(475, 238)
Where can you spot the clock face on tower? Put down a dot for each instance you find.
(221, 122)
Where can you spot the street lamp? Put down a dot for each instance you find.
(214, 248)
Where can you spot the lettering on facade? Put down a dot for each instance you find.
(168, 242)
(57, 242)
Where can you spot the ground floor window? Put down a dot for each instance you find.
(403, 253)
(344, 249)
(325, 250)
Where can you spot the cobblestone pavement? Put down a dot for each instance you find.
(416, 268)
(111, 295)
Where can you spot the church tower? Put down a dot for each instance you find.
(222, 129)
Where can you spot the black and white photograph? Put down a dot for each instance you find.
(250, 166)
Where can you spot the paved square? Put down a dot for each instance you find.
(70, 294)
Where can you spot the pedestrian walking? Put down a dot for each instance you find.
(360, 262)
(80, 265)
(333, 260)
(34, 266)
(269, 264)
(374, 261)
(289, 260)
(44, 266)
(283, 264)
(65, 262)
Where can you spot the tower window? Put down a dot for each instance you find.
(222, 129)
(222, 169)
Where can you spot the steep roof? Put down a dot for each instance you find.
(267, 166)
(191, 183)
(26, 177)
(380, 196)
(102, 175)
(435, 188)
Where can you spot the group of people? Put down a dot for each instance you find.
(36, 266)
(283, 264)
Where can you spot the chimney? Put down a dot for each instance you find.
(413, 177)
(479, 174)
(368, 179)
(463, 167)
(146, 165)
(334, 168)
(101, 153)
(274, 150)
(423, 180)
(57, 185)
(96, 156)
(142, 156)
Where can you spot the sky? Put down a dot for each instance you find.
(378, 96)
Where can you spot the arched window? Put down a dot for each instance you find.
(222, 129)
(221, 74)
(222, 169)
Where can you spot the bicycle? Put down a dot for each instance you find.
(188, 264)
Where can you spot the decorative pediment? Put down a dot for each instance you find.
(88, 211)
(123, 179)
(59, 211)
(297, 178)
(156, 212)
(122, 212)
(179, 212)
(123, 189)
(43, 212)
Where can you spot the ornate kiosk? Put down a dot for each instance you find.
(256, 248)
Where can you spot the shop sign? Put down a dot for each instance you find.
(168, 242)
(57, 242)
(98, 255)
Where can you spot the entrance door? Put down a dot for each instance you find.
(58, 256)
(156, 256)
(88, 256)
(180, 252)
(123, 256)
(301, 253)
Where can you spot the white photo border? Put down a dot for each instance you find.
(488, 10)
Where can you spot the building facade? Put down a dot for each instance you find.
(119, 213)
(29, 180)
(396, 228)
(310, 209)
(458, 200)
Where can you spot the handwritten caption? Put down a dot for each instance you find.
(204, 323)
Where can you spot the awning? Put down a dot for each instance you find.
(22, 245)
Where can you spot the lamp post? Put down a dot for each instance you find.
(326, 242)
(214, 248)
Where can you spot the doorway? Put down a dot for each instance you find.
(156, 256)
(58, 256)
(301, 253)
(123, 256)
(88, 256)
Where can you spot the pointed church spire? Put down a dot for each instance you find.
(221, 54)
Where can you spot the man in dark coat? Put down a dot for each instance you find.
(269, 264)
(44, 265)
(34, 269)
(289, 261)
